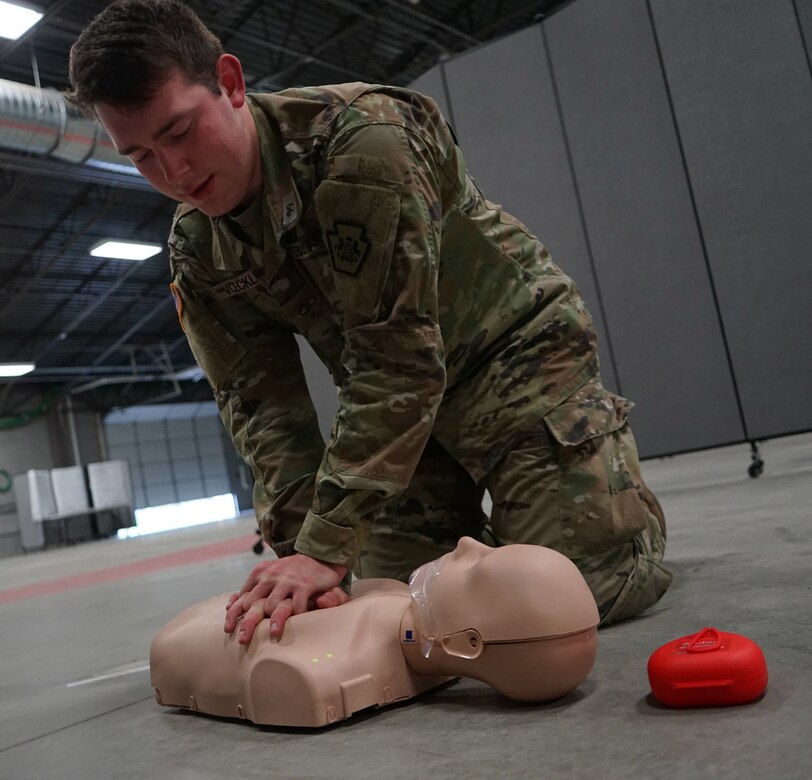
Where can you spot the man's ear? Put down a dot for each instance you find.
(231, 79)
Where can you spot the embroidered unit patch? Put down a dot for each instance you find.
(348, 248)
(178, 304)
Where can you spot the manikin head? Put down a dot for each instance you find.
(171, 101)
(520, 618)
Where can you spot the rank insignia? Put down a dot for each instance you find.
(348, 248)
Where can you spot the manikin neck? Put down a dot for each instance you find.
(452, 654)
(539, 669)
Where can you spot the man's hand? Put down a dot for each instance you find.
(281, 588)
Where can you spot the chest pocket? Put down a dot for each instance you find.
(359, 224)
(216, 349)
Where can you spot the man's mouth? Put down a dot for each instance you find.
(203, 190)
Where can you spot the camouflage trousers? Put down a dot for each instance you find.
(588, 502)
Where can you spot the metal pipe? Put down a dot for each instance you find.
(125, 380)
(40, 121)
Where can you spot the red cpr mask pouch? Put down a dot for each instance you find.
(707, 669)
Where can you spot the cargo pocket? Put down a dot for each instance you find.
(601, 500)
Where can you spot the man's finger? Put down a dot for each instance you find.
(332, 598)
(300, 598)
(231, 599)
(279, 616)
(233, 613)
(241, 605)
(253, 615)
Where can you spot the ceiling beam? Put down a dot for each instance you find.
(46, 235)
(411, 10)
(332, 40)
(386, 22)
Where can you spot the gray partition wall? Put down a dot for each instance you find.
(742, 94)
(662, 151)
(804, 10)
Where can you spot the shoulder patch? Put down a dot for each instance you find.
(348, 247)
(178, 303)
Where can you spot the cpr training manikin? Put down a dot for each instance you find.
(520, 618)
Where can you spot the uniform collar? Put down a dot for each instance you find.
(281, 195)
(282, 205)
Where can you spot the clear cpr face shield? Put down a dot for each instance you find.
(520, 618)
(421, 584)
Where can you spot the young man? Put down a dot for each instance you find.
(465, 358)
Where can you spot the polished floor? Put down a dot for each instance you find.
(76, 625)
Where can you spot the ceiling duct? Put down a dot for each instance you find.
(42, 122)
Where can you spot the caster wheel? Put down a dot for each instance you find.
(259, 547)
(756, 468)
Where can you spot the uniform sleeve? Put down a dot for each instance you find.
(262, 397)
(380, 211)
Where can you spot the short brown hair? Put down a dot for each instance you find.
(132, 45)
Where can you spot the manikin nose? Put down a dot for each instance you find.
(470, 548)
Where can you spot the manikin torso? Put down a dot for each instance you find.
(520, 618)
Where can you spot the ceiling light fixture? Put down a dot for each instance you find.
(16, 19)
(16, 369)
(124, 250)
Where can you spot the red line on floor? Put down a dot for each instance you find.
(206, 552)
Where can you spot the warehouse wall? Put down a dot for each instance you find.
(175, 451)
(661, 151)
(44, 443)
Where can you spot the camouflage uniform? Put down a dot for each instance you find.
(465, 359)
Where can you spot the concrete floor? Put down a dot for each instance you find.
(740, 549)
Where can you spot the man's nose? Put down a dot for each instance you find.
(174, 165)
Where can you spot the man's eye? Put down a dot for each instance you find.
(178, 136)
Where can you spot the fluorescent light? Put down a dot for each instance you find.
(124, 250)
(15, 20)
(16, 369)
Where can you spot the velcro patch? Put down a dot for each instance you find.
(360, 223)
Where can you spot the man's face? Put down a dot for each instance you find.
(191, 145)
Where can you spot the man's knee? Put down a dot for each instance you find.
(629, 579)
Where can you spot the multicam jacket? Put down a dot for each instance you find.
(435, 312)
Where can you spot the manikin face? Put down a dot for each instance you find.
(190, 144)
(444, 590)
(506, 593)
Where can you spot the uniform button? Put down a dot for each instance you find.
(305, 308)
